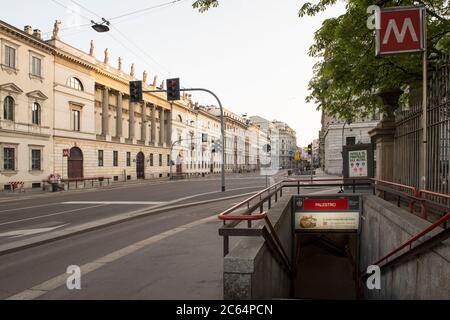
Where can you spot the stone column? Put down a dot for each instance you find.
(131, 124)
(105, 112)
(119, 126)
(169, 128)
(384, 134)
(162, 130)
(144, 122)
(153, 132)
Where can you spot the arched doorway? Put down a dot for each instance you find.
(140, 165)
(75, 163)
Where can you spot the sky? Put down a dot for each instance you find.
(252, 53)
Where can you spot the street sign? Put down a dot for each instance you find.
(291, 153)
(327, 214)
(402, 30)
(297, 156)
(66, 153)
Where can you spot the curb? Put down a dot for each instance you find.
(100, 224)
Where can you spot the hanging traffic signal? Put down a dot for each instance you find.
(173, 90)
(136, 92)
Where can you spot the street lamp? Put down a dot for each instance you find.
(100, 27)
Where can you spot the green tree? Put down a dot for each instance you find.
(348, 75)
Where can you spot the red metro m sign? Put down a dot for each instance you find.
(399, 29)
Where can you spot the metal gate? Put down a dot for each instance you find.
(408, 136)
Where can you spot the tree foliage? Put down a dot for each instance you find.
(348, 76)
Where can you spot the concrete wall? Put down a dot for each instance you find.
(251, 271)
(386, 227)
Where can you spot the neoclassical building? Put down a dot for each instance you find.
(26, 106)
(102, 132)
(65, 111)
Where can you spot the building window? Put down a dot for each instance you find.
(9, 159)
(8, 110)
(160, 160)
(100, 158)
(36, 160)
(10, 57)
(116, 158)
(76, 120)
(75, 83)
(128, 159)
(168, 160)
(151, 160)
(36, 114)
(36, 66)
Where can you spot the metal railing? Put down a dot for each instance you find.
(232, 219)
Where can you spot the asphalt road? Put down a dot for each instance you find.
(171, 255)
(27, 218)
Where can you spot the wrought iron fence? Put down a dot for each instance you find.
(408, 136)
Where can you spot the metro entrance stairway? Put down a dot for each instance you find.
(273, 263)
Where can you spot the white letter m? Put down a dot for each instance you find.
(400, 36)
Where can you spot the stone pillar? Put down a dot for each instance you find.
(169, 128)
(153, 130)
(144, 122)
(131, 124)
(162, 129)
(119, 126)
(384, 134)
(105, 112)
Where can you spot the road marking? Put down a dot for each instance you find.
(25, 208)
(50, 215)
(60, 280)
(138, 203)
(29, 232)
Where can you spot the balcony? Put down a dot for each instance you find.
(24, 128)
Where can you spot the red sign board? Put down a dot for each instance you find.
(66, 153)
(401, 30)
(326, 205)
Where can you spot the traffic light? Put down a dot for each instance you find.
(310, 151)
(173, 90)
(136, 92)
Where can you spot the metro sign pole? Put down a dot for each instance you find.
(404, 30)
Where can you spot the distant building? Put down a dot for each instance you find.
(337, 133)
(283, 136)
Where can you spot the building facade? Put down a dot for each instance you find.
(98, 132)
(337, 133)
(26, 107)
(67, 112)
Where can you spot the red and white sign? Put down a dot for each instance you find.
(401, 30)
(66, 153)
(326, 205)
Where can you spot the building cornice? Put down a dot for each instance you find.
(25, 37)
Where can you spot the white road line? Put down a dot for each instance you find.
(50, 215)
(116, 202)
(28, 232)
(32, 207)
(58, 281)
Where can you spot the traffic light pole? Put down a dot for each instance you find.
(222, 121)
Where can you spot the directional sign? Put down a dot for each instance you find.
(401, 30)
